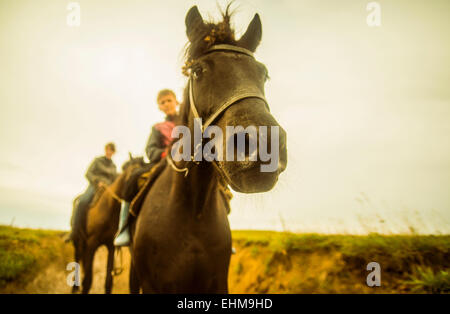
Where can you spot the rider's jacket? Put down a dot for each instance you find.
(101, 169)
(159, 139)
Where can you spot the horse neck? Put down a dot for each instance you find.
(198, 191)
(116, 186)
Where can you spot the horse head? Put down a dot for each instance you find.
(226, 90)
(131, 164)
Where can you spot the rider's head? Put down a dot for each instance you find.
(167, 101)
(110, 149)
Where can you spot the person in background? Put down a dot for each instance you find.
(160, 138)
(101, 172)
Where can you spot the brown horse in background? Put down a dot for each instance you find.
(181, 237)
(101, 227)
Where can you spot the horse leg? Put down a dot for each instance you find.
(109, 270)
(134, 282)
(77, 252)
(88, 259)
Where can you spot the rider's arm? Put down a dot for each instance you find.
(90, 173)
(154, 147)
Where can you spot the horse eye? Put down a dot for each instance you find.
(196, 72)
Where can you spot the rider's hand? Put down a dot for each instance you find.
(165, 152)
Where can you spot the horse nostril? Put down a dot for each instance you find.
(244, 145)
(247, 145)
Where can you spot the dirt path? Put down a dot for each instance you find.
(53, 279)
(53, 276)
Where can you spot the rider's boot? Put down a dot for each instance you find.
(123, 238)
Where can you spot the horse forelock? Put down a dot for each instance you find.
(210, 34)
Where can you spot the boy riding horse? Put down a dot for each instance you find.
(160, 138)
(101, 173)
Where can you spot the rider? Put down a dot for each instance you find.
(101, 172)
(160, 138)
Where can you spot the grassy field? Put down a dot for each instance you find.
(34, 261)
(26, 252)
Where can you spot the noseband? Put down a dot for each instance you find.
(228, 103)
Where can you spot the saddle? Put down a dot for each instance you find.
(145, 182)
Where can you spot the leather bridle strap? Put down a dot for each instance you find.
(225, 47)
(239, 96)
(231, 101)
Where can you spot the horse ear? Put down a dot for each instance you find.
(252, 37)
(194, 22)
(131, 156)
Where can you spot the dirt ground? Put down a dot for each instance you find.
(53, 278)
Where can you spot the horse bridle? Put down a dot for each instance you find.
(237, 97)
(228, 103)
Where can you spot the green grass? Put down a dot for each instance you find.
(13, 264)
(407, 248)
(21, 251)
(426, 280)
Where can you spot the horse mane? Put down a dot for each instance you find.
(130, 162)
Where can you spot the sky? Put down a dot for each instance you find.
(366, 109)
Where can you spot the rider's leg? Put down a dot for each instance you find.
(129, 192)
(79, 210)
(87, 197)
(123, 238)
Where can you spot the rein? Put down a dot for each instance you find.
(113, 194)
(231, 101)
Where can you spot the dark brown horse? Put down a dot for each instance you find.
(101, 226)
(181, 238)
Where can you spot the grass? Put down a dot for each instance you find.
(24, 251)
(406, 248)
(426, 280)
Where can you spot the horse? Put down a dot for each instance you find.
(181, 238)
(101, 223)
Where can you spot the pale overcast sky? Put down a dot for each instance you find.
(366, 109)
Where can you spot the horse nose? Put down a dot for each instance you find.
(244, 145)
(282, 162)
(272, 148)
